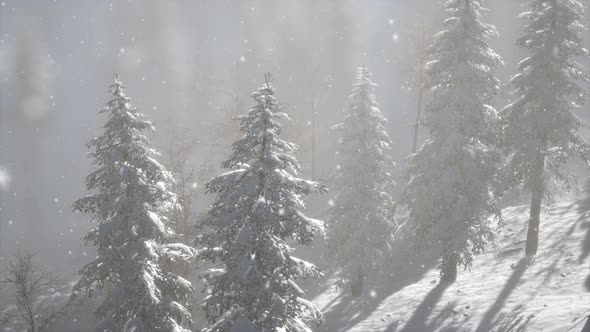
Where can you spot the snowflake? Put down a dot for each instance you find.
(4, 179)
(373, 293)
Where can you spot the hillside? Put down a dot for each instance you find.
(502, 292)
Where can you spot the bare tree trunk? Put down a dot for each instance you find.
(313, 141)
(532, 238)
(586, 327)
(357, 285)
(417, 123)
(420, 96)
(449, 269)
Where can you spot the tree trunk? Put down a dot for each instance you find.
(417, 123)
(313, 140)
(357, 285)
(420, 95)
(449, 269)
(532, 238)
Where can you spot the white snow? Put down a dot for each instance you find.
(501, 290)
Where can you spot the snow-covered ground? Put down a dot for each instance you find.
(502, 292)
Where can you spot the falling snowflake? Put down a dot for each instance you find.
(242, 59)
(331, 203)
(4, 179)
(391, 21)
(395, 37)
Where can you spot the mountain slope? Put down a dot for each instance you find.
(502, 292)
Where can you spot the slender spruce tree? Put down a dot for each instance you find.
(257, 212)
(361, 227)
(542, 131)
(130, 200)
(453, 179)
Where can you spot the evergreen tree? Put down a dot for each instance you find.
(541, 130)
(131, 202)
(258, 208)
(452, 179)
(361, 227)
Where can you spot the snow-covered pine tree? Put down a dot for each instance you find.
(361, 224)
(540, 127)
(258, 209)
(452, 179)
(131, 201)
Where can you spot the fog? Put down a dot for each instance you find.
(187, 66)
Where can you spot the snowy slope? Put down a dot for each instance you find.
(500, 293)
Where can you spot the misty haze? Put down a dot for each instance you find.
(295, 166)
